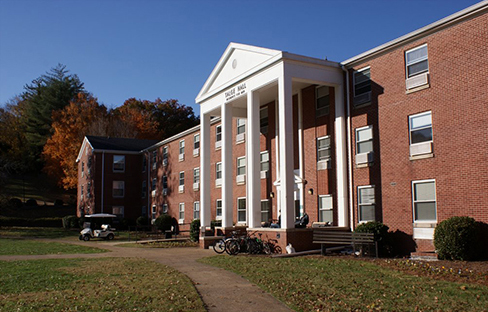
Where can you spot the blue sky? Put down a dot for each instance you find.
(148, 49)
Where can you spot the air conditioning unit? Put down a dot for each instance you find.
(196, 152)
(240, 137)
(181, 188)
(323, 164)
(153, 193)
(241, 179)
(417, 81)
(218, 182)
(364, 158)
(181, 157)
(264, 174)
(196, 186)
(218, 144)
(421, 148)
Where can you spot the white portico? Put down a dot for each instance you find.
(245, 78)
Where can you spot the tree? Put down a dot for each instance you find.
(158, 119)
(45, 95)
(70, 125)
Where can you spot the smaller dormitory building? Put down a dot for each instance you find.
(396, 134)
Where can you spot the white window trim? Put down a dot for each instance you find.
(323, 164)
(217, 217)
(241, 123)
(196, 150)
(180, 210)
(113, 164)
(165, 155)
(165, 208)
(218, 143)
(364, 98)
(264, 173)
(195, 210)
(181, 146)
(413, 201)
(181, 187)
(316, 102)
(323, 209)
(237, 212)
(367, 157)
(407, 65)
(263, 129)
(154, 159)
(196, 184)
(241, 178)
(268, 211)
(218, 181)
(359, 204)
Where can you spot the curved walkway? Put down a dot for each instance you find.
(220, 290)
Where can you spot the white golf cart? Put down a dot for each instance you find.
(91, 230)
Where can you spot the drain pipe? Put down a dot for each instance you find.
(349, 155)
(103, 178)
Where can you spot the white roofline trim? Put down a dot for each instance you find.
(85, 140)
(419, 33)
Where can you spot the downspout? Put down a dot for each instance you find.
(103, 177)
(148, 182)
(349, 152)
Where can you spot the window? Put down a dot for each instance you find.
(144, 211)
(165, 208)
(181, 214)
(323, 148)
(144, 189)
(362, 86)
(82, 168)
(424, 201)
(153, 212)
(325, 209)
(241, 210)
(88, 190)
(144, 163)
(81, 192)
(241, 170)
(196, 144)
(196, 210)
(119, 163)
(263, 120)
(196, 179)
(118, 188)
(165, 156)
(264, 159)
(322, 101)
(165, 182)
(265, 211)
(417, 61)
(154, 159)
(219, 209)
(241, 130)
(218, 136)
(182, 150)
(218, 174)
(366, 203)
(153, 185)
(420, 127)
(181, 184)
(118, 211)
(364, 145)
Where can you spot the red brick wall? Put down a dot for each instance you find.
(457, 98)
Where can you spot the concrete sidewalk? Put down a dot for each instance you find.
(220, 290)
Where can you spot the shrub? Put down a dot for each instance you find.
(14, 203)
(381, 235)
(459, 238)
(31, 202)
(195, 230)
(58, 202)
(164, 222)
(141, 221)
(70, 222)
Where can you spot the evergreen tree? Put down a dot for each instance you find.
(45, 95)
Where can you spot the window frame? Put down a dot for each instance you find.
(241, 210)
(165, 155)
(196, 209)
(355, 83)
(119, 183)
(181, 178)
(181, 212)
(120, 208)
(321, 209)
(267, 212)
(195, 170)
(218, 136)
(154, 159)
(261, 161)
(327, 147)
(264, 120)
(144, 189)
(424, 201)
(218, 180)
(118, 163)
(360, 204)
(407, 64)
(217, 215)
(357, 130)
(410, 130)
(322, 111)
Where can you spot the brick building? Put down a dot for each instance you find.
(380, 136)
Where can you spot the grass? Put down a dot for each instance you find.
(325, 284)
(12, 246)
(38, 232)
(108, 284)
(174, 244)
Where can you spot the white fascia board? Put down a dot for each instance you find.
(83, 145)
(224, 58)
(117, 152)
(422, 32)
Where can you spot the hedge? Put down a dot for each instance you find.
(39, 222)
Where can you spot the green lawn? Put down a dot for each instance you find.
(326, 284)
(11, 246)
(38, 232)
(108, 284)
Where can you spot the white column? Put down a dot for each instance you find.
(253, 179)
(205, 215)
(285, 113)
(341, 156)
(301, 163)
(228, 179)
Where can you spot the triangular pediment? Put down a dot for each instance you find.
(237, 61)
